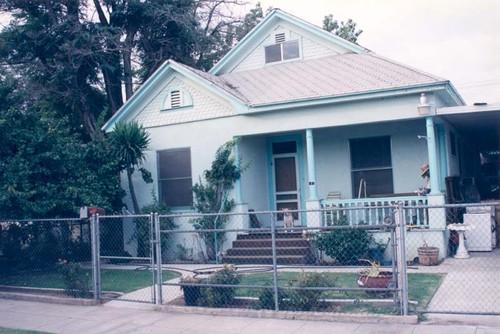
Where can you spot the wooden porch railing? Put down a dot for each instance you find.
(374, 211)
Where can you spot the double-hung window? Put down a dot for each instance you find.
(282, 49)
(174, 177)
(371, 166)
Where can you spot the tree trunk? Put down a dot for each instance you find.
(132, 191)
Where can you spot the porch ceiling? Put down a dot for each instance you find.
(483, 123)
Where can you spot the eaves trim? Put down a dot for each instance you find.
(361, 96)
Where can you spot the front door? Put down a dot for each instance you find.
(286, 189)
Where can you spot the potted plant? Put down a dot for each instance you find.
(374, 277)
(191, 290)
(428, 255)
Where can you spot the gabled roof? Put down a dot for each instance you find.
(355, 75)
(263, 28)
(158, 78)
(332, 76)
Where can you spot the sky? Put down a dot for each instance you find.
(458, 40)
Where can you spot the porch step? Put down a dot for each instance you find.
(287, 259)
(267, 243)
(256, 248)
(281, 251)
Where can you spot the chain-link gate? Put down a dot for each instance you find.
(125, 249)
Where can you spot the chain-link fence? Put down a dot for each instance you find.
(326, 260)
(46, 254)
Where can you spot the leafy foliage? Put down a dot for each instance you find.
(346, 245)
(298, 299)
(48, 170)
(77, 63)
(221, 296)
(128, 142)
(211, 196)
(76, 279)
(143, 229)
(346, 30)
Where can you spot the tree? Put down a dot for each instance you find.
(345, 30)
(211, 196)
(77, 62)
(128, 142)
(47, 170)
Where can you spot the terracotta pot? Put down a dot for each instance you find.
(428, 256)
(382, 280)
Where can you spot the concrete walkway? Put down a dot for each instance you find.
(144, 318)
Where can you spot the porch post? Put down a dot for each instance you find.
(313, 205)
(311, 166)
(237, 185)
(432, 152)
(443, 161)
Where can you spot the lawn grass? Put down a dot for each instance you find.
(111, 280)
(421, 287)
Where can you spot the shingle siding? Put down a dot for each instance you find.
(204, 107)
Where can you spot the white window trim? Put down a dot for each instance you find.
(272, 41)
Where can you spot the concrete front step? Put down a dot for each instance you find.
(267, 251)
(267, 235)
(286, 259)
(256, 248)
(267, 243)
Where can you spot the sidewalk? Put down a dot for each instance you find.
(144, 318)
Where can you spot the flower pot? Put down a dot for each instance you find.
(191, 295)
(382, 280)
(428, 256)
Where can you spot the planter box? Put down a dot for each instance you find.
(382, 280)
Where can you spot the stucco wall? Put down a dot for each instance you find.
(333, 169)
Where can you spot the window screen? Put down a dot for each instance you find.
(174, 175)
(371, 162)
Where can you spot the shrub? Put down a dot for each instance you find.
(76, 279)
(346, 245)
(298, 299)
(221, 296)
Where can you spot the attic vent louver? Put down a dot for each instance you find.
(175, 99)
(279, 38)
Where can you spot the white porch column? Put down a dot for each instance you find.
(436, 216)
(237, 185)
(311, 166)
(432, 153)
(313, 216)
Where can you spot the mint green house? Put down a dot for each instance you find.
(321, 121)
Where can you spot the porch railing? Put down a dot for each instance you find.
(374, 211)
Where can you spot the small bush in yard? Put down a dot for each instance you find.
(346, 245)
(298, 299)
(76, 280)
(221, 296)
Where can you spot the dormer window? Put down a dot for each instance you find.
(177, 98)
(283, 49)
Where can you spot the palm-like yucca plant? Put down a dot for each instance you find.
(129, 141)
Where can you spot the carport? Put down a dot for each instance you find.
(478, 145)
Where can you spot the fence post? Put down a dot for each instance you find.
(159, 278)
(403, 275)
(152, 247)
(275, 263)
(96, 266)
